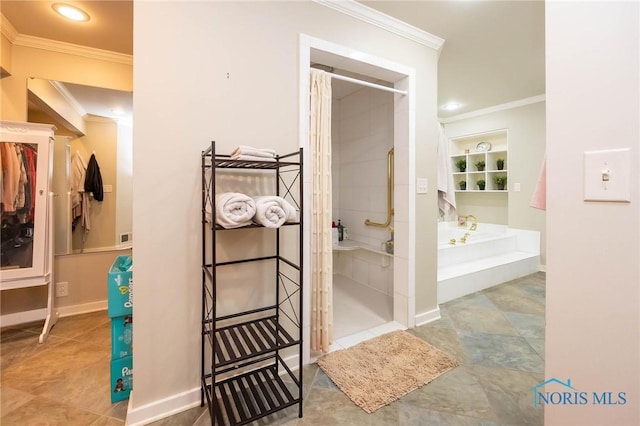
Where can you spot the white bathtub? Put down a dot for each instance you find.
(484, 231)
(491, 255)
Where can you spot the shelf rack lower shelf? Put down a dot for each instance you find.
(242, 399)
(250, 339)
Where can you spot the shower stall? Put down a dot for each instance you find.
(362, 140)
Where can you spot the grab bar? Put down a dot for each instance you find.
(389, 194)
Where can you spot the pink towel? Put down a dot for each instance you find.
(539, 198)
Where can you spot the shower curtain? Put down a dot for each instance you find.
(321, 245)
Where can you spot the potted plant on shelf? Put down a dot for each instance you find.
(480, 183)
(463, 185)
(480, 165)
(461, 165)
(500, 181)
(500, 163)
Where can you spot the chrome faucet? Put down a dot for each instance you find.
(474, 222)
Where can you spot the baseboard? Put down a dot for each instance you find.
(178, 403)
(162, 408)
(542, 268)
(85, 308)
(427, 317)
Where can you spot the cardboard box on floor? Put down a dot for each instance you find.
(120, 287)
(121, 378)
(121, 336)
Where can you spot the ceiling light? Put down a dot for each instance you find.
(71, 12)
(117, 111)
(451, 106)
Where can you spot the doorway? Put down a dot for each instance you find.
(313, 50)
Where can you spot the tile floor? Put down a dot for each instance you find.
(64, 381)
(497, 335)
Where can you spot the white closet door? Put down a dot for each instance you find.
(25, 228)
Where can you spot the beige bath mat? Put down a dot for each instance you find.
(379, 371)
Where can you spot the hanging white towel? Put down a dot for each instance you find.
(446, 188)
(273, 211)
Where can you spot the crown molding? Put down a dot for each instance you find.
(495, 108)
(386, 22)
(69, 98)
(72, 49)
(7, 29)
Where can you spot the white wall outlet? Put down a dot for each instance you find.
(62, 289)
(422, 185)
(607, 175)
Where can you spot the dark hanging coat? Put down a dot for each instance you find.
(93, 179)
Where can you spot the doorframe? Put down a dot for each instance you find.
(404, 78)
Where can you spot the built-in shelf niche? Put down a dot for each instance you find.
(468, 148)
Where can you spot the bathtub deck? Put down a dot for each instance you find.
(466, 270)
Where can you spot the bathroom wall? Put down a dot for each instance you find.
(234, 78)
(526, 145)
(101, 139)
(592, 310)
(124, 181)
(86, 288)
(364, 121)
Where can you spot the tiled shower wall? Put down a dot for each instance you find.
(362, 135)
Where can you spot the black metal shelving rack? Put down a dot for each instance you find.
(244, 376)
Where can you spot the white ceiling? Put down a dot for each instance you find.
(110, 27)
(493, 51)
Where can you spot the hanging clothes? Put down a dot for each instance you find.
(22, 180)
(78, 204)
(10, 176)
(26, 190)
(93, 179)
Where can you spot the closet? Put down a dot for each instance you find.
(245, 375)
(27, 216)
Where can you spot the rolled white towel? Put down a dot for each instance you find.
(273, 211)
(234, 210)
(256, 152)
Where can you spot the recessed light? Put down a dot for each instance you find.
(117, 111)
(71, 12)
(451, 106)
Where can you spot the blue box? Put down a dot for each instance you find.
(121, 378)
(121, 336)
(120, 287)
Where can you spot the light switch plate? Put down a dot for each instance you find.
(421, 186)
(607, 175)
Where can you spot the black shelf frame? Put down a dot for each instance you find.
(250, 396)
(241, 379)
